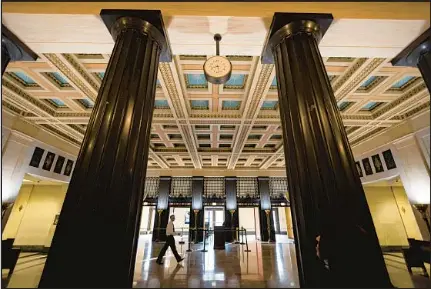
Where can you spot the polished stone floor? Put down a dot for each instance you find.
(27, 273)
(267, 265)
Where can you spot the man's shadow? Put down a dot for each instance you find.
(171, 276)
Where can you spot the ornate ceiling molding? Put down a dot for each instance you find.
(358, 73)
(261, 81)
(172, 91)
(59, 62)
(181, 136)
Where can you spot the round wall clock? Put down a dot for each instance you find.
(217, 69)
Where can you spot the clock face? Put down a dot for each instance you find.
(217, 67)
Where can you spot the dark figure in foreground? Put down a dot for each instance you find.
(170, 242)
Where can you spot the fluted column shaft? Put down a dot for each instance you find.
(5, 58)
(197, 204)
(96, 237)
(417, 54)
(325, 191)
(424, 65)
(13, 49)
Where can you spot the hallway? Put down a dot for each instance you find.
(300, 121)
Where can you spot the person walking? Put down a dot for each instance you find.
(170, 242)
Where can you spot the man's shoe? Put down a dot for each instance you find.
(180, 260)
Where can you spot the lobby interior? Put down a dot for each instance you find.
(241, 154)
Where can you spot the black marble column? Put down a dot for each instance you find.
(5, 58)
(230, 191)
(198, 220)
(96, 237)
(197, 217)
(13, 49)
(162, 209)
(325, 191)
(231, 212)
(161, 220)
(266, 218)
(267, 232)
(417, 53)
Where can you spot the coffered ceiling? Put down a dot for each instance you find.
(197, 125)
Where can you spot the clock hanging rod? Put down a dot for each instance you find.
(217, 69)
(217, 38)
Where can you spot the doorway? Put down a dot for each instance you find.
(279, 216)
(182, 222)
(147, 220)
(249, 220)
(213, 216)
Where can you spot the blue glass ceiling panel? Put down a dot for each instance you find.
(269, 104)
(402, 82)
(371, 105)
(196, 79)
(236, 80)
(231, 104)
(343, 105)
(161, 103)
(369, 81)
(200, 104)
(57, 102)
(86, 102)
(24, 77)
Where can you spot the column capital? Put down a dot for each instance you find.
(410, 55)
(285, 24)
(16, 49)
(148, 21)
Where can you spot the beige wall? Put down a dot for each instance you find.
(33, 225)
(20, 139)
(18, 124)
(392, 134)
(392, 215)
(17, 213)
(409, 143)
(407, 213)
(413, 169)
(289, 223)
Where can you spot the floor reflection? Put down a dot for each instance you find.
(266, 265)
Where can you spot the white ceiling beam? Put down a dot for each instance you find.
(193, 35)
